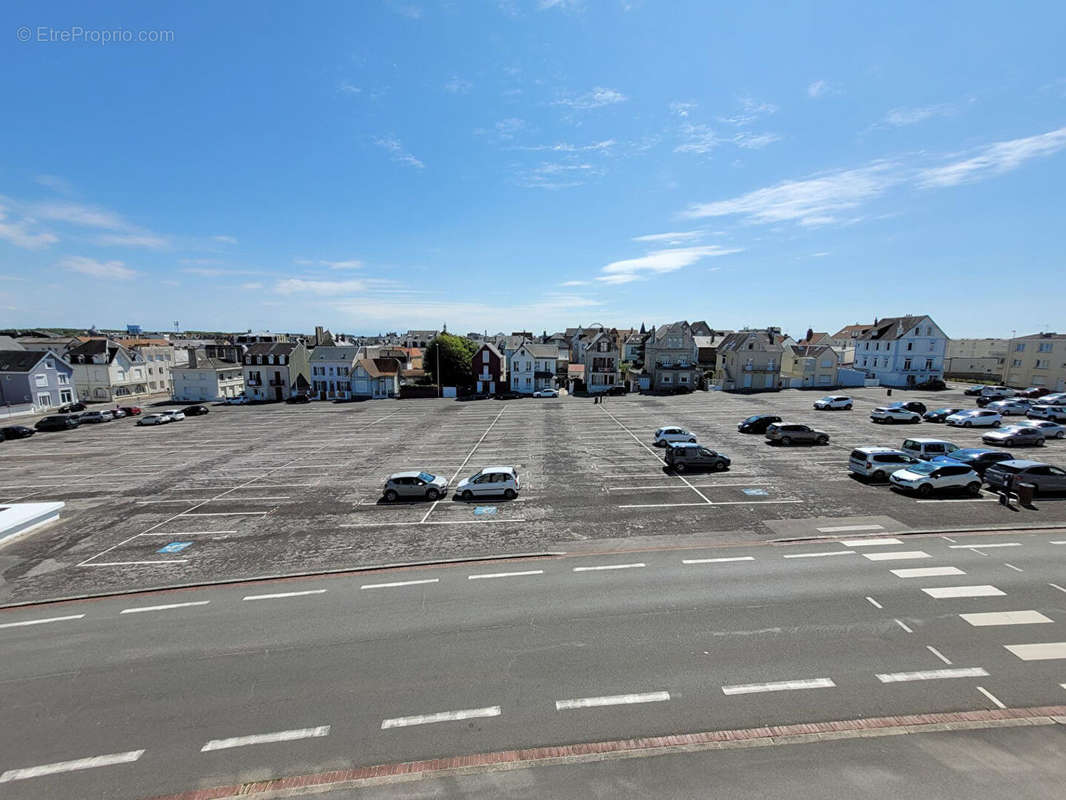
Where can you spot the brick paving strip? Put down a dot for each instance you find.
(630, 748)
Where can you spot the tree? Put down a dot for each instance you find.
(455, 355)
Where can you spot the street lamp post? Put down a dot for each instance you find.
(1006, 361)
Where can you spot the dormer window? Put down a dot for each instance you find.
(270, 359)
(281, 359)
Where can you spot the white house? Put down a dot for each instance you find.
(204, 379)
(331, 372)
(902, 351)
(105, 371)
(532, 367)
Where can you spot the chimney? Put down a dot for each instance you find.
(318, 335)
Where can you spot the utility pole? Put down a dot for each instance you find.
(1006, 361)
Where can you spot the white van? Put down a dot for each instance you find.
(926, 449)
(877, 463)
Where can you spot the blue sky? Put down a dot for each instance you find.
(529, 164)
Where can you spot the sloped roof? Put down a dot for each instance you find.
(813, 351)
(890, 328)
(271, 348)
(378, 367)
(334, 353)
(491, 348)
(1043, 336)
(541, 350)
(20, 360)
(7, 343)
(851, 331)
(710, 341)
(671, 329)
(735, 341)
(94, 347)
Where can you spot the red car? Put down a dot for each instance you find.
(132, 411)
(1033, 392)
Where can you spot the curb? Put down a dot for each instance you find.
(925, 532)
(282, 576)
(766, 736)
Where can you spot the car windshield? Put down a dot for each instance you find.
(426, 477)
(755, 418)
(923, 469)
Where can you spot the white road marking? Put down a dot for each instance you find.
(983, 546)
(1056, 586)
(266, 738)
(716, 560)
(133, 563)
(1011, 566)
(926, 572)
(611, 700)
(903, 625)
(874, 603)
(223, 513)
(870, 542)
(938, 654)
(1006, 618)
(960, 500)
(990, 696)
(1057, 541)
(39, 621)
(948, 538)
(847, 528)
(186, 533)
(443, 716)
(897, 555)
(610, 566)
(822, 554)
(710, 503)
(779, 686)
(984, 590)
(489, 521)
(280, 595)
(1038, 652)
(932, 674)
(486, 575)
(141, 609)
(398, 583)
(70, 766)
(469, 455)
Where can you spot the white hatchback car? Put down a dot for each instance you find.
(174, 414)
(894, 414)
(931, 476)
(833, 401)
(672, 434)
(1056, 413)
(490, 481)
(546, 393)
(975, 418)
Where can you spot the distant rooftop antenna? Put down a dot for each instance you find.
(177, 327)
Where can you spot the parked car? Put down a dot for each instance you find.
(1053, 399)
(1056, 413)
(471, 397)
(1045, 478)
(682, 456)
(877, 463)
(911, 405)
(975, 418)
(940, 414)
(927, 449)
(71, 408)
(415, 484)
(239, 400)
(1051, 430)
(758, 423)
(787, 433)
(196, 411)
(833, 401)
(95, 416)
(926, 478)
(490, 481)
(894, 414)
(932, 385)
(1012, 436)
(507, 395)
(617, 391)
(133, 411)
(974, 390)
(546, 393)
(976, 458)
(299, 397)
(663, 436)
(16, 432)
(1016, 405)
(117, 413)
(175, 414)
(57, 423)
(1033, 392)
(154, 419)
(987, 399)
(1001, 391)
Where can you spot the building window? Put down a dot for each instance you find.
(929, 363)
(1016, 362)
(929, 331)
(1045, 347)
(907, 364)
(40, 380)
(1020, 347)
(1041, 363)
(484, 356)
(910, 345)
(63, 379)
(50, 364)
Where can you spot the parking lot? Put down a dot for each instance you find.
(275, 489)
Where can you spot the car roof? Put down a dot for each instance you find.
(411, 473)
(682, 445)
(928, 441)
(497, 469)
(879, 449)
(1024, 463)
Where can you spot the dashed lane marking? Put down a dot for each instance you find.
(716, 560)
(167, 607)
(779, 686)
(985, 546)
(1011, 566)
(983, 590)
(488, 575)
(938, 654)
(394, 584)
(926, 572)
(27, 622)
(442, 716)
(71, 766)
(874, 603)
(850, 528)
(609, 566)
(870, 542)
(135, 563)
(1056, 586)
(611, 700)
(266, 738)
(280, 595)
(990, 696)
(822, 554)
(932, 675)
(903, 625)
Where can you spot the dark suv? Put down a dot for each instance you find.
(757, 424)
(1045, 478)
(56, 423)
(976, 458)
(681, 456)
(911, 405)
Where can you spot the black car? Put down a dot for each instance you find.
(758, 423)
(977, 458)
(296, 398)
(932, 385)
(71, 408)
(57, 423)
(911, 405)
(973, 391)
(940, 414)
(466, 398)
(507, 395)
(616, 391)
(682, 456)
(985, 399)
(16, 432)
(195, 411)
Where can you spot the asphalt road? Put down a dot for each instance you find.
(228, 684)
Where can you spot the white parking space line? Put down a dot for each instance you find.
(611, 700)
(280, 595)
(983, 546)
(938, 654)
(223, 514)
(990, 696)
(488, 575)
(822, 554)
(70, 766)
(398, 583)
(443, 716)
(926, 572)
(903, 625)
(1056, 586)
(716, 560)
(1028, 617)
(185, 533)
(779, 686)
(873, 602)
(469, 455)
(710, 503)
(1057, 541)
(167, 607)
(1043, 651)
(266, 738)
(870, 542)
(897, 555)
(27, 622)
(849, 528)
(135, 563)
(932, 675)
(985, 590)
(1011, 566)
(609, 566)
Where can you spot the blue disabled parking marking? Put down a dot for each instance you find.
(173, 547)
(480, 510)
(756, 492)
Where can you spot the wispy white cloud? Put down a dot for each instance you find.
(408, 10)
(149, 240)
(659, 262)
(750, 111)
(115, 270)
(566, 147)
(225, 239)
(349, 88)
(565, 5)
(303, 262)
(399, 154)
(506, 129)
(557, 175)
(596, 98)
(754, 141)
(673, 237)
(457, 85)
(78, 214)
(821, 88)
(335, 288)
(682, 109)
(994, 159)
(575, 283)
(698, 139)
(350, 264)
(21, 233)
(215, 272)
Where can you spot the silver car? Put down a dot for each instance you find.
(1051, 430)
(1013, 436)
(415, 484)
